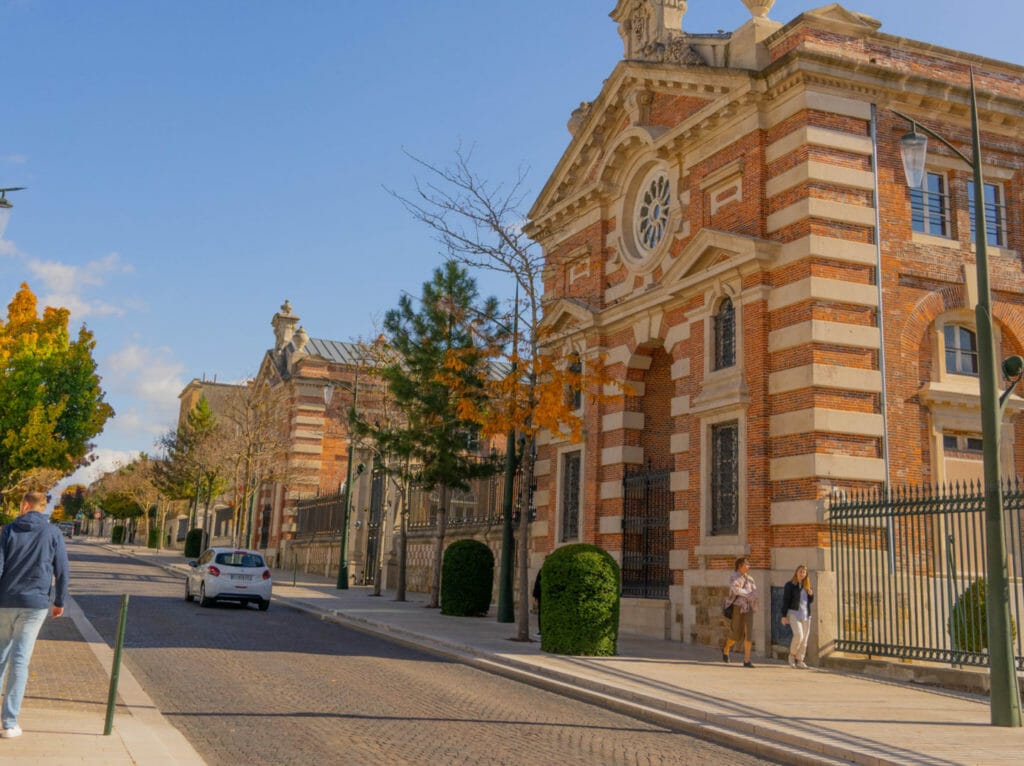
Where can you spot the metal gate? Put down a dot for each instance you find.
(373, 528)
(910, 569)
(646, 539)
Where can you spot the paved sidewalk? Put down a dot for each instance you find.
(65, 707)
(804, 717)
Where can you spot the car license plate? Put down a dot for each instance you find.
(244, 578)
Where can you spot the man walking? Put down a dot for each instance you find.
(32, 553)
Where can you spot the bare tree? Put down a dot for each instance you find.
(254, 446)
(480, 225)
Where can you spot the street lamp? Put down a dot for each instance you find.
(342, 583)
(1005, 694)
(5, 206)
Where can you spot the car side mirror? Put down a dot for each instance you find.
(193, 563)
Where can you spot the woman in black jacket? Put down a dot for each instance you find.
(796, 612)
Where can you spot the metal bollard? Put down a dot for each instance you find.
(115, 669)
(295, 568)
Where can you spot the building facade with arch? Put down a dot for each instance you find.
(731, 231)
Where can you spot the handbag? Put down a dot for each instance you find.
(727, 608)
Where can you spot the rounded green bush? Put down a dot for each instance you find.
(193, 543)
(117, 534)
(467, 579)
(968, 622)
(580, 589)
(153, 540)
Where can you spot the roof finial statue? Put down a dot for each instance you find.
(759, 8)
(652, 30)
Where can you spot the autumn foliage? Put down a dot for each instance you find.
(51, 403)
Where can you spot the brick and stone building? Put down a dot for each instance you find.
(731, 227)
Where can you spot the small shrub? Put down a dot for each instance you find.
(193, 543)
(154, 539)
(117, 534)
(580, 602)
(467, 579)
(968, 622)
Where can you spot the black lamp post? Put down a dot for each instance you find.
(1005, 699)
(342, 583)
(5, 206)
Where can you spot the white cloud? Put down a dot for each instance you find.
(67, 285)
(150, 374)
(104, 460)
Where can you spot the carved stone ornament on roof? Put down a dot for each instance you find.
(652, 30)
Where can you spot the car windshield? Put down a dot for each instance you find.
(239, 559)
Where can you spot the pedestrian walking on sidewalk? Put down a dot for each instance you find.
(743, 597)
(796, 612)
(32, 554)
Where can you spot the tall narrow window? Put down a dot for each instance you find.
(725, 514)
(961, 350)
(725, 335)
(995, 214)
(570, 496)
(574, 395)
(929, 206)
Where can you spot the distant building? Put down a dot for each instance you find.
(730, 224)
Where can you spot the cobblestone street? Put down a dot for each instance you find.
(282, 687)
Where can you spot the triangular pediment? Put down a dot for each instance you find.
(712, 252)
(628, 117)
(567, 314)
(835, 16)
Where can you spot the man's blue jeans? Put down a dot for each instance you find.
(18, 631)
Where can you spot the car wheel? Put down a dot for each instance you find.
(188, 591)
(203, 600)
(264, 604)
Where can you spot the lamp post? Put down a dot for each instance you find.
(1005, 694)
(5, 206)
(342, 583)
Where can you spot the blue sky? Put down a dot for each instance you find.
(192, 163)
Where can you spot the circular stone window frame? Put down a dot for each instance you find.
(637, 257)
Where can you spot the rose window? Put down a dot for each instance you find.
(652, 213)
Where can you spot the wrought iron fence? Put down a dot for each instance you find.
(480, 505)
(910, 569)
(320, 516)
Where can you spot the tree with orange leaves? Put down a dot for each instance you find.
(51, 403)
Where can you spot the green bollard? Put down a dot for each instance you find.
(115, 669)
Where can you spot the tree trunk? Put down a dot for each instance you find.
(523, 545)
(442, 527)
(403, 540)
(382, 536)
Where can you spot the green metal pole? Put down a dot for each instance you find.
(1005, 699)
(343, 556)
(506, 610)
(115, 670)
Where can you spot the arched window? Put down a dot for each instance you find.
(725, 335)
(961, 350)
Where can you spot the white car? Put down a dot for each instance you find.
(229, 574)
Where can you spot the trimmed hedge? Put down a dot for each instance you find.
(968, 622)
(580, 602)
(467, 579)
(154, 539)
(117, 534)
(193, 543)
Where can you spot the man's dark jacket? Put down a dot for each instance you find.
(32, 554)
